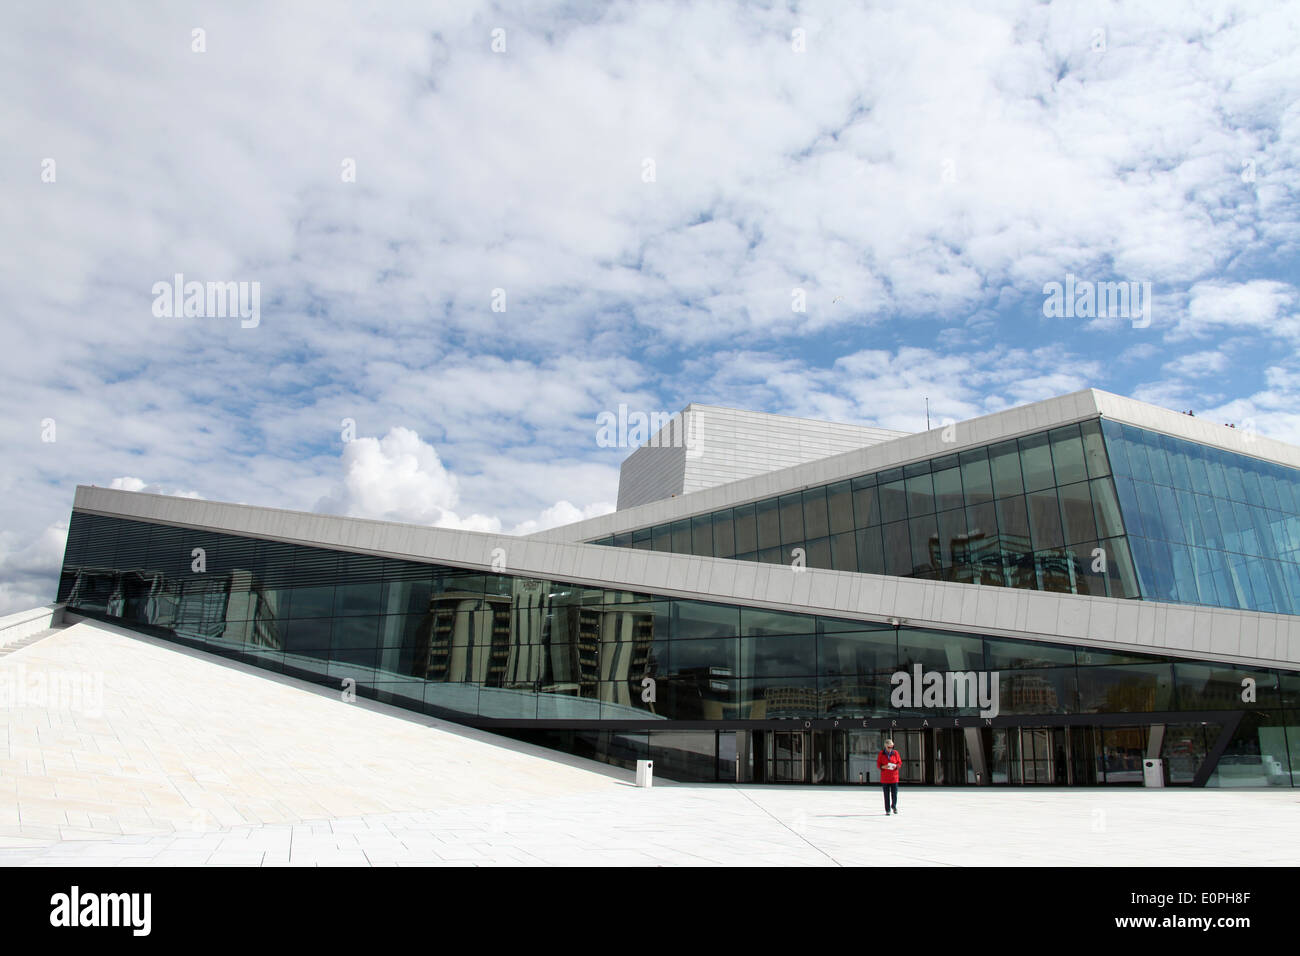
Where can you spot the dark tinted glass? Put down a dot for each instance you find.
(791, 516)
(839, 501)
(844, 552)
(898, 548)
(871, 553)
(681, 536)
(977, 483)
(920, 494)
(1044, 519)
(702, 535)
(696, 619)
(746, 529)
(769, 524)
(947, 487)
(499, 646)
(1076, 513)
(925, 544)
(866, 504)
(816, 523)
(724, 534)
(893, 501)
(1004, 459)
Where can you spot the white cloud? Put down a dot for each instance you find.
(398, 478)
(1197, 364)
(1227, 308)
(128, 483)
(401, 478)
(28, 566)
(562, 513)
(920, 177)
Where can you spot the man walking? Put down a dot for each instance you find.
(889, 761)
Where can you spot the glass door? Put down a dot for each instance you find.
(949, 764)
(910, 745)
(1122, 751)
(861, 747)
(829, 757)
(787, 756)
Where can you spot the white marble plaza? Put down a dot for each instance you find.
(139, 752)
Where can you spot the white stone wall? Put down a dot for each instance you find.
(721, 445)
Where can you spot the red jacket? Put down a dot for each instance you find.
(886, 775)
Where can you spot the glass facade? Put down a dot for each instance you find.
(1207, 526)
(708, 689)
(1034, 512)
(1095, 508)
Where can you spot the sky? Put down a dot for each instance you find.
(473, 228)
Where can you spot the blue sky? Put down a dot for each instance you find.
(919, 176)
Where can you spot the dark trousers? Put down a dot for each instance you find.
(891, 793)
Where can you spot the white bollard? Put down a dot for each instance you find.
(1153, 773)
(645, 773)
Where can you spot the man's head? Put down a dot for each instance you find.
(889, 745)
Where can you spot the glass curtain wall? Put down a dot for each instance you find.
(1207, 526)
(512, 649)
(1036, 512)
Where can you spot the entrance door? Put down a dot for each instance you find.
(1122, 750)
(828, 758)
(948, 764)
(1044, 753)
(787, 753)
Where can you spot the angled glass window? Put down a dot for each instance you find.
(953, 541)
(746, 529)
(844, 551)
(702, 535)
(756, 621)
(724, 534)
(1179, 473)
(839, 504)
(947, 484)
(1004, 459)
(977, 483)
(893, 500)
(920, 494)
(769, 524)
(1036, 462)
(818, 553)
(662, 540)
(866, 503)
(681, 536)
(925, 544)
(816, 523)
(898, 548)
(791, 510)
(871, 551)
(1094, 449)
(1067, 455)
(698, 619)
